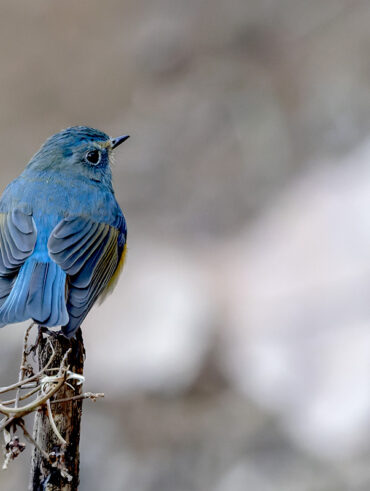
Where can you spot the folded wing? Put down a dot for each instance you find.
(17, 241)
(89, 252)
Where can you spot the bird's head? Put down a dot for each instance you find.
(78, 150)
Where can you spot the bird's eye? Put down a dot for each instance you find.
(93, 156)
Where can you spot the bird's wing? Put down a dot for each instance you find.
(17, 240)
(89, 252)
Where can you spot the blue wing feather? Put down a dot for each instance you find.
(17, 241)
(89, 253)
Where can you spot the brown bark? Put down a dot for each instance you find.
(62, 473)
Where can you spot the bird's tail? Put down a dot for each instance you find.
(39, 294)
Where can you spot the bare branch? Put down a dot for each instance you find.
(23, 367)
(86, 395)
(53, 425)
(34, 378)
(22, 398)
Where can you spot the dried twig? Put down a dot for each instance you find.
(32, 440)
(53, 425)
(34, 378)
(41, 387)
(23, 367)
(22, 398)
(86, 395)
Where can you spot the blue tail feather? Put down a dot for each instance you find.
(38, 293)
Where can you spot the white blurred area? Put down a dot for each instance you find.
(299, 338)
(158, 317)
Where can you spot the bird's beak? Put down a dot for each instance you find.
(120, 139)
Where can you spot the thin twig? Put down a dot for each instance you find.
(8, 458)
(22, 370)
(52, 423)
(7, 422)
(32, 406)
(33, 441)
(87, 395)
(22, 398)
(34, 377)
(63, 365)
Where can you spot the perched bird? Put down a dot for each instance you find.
(62, 232)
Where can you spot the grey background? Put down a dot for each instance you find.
(234, 353)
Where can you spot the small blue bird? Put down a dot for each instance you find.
(62, 232)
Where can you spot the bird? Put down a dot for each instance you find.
(63, 235)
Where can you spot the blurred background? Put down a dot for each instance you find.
(235, 351)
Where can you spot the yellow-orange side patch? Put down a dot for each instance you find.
(113, 281)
